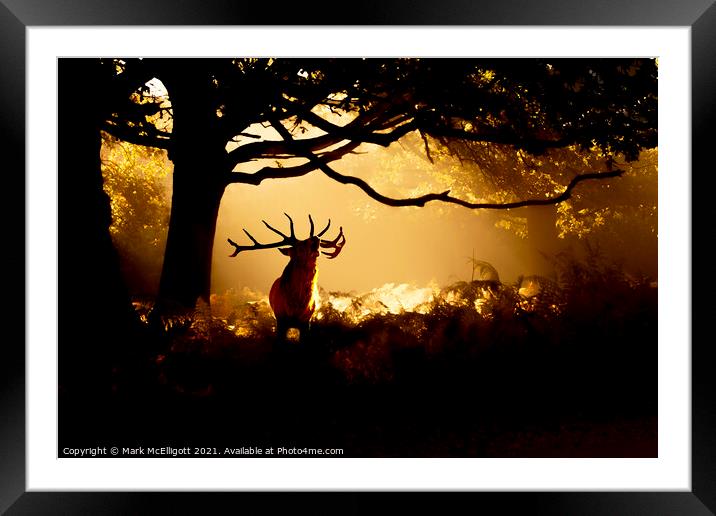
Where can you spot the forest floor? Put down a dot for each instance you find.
(480, 369)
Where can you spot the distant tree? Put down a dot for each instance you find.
(501, 174)
(138, 182)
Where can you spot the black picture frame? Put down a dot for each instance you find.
(699, 15)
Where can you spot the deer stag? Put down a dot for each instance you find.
(293, 296)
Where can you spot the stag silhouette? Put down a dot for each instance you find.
(293, 296)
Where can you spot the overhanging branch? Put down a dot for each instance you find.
(403, 124)
(445, 196)
(145, 136)
(360, 130)
(258, 177)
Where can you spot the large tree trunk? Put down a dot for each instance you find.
(186, 273)
(198, 153)
(96, 319)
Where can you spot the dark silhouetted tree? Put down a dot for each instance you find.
(95, 316)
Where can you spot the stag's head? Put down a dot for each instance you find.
(304, 252)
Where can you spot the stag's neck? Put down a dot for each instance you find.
(297, 274)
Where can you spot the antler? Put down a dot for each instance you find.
(336, 244)
(324, 229)
(287, 239)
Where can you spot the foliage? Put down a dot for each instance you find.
(137, 180)
(623, 211)
(498, 173)
(480, 110)
(470, 332)
(556, 368)
(625, 203)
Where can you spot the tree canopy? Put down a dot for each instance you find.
(227, 121)
(320, 110)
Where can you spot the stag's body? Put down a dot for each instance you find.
(294, 295)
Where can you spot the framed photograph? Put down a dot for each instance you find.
(445, 252)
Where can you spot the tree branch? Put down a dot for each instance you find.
(156, 139)
(281, 148)
(258, 177)
(406, 124)
(359, 130)
(445, 196)
(364, 133)
(427, 147)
